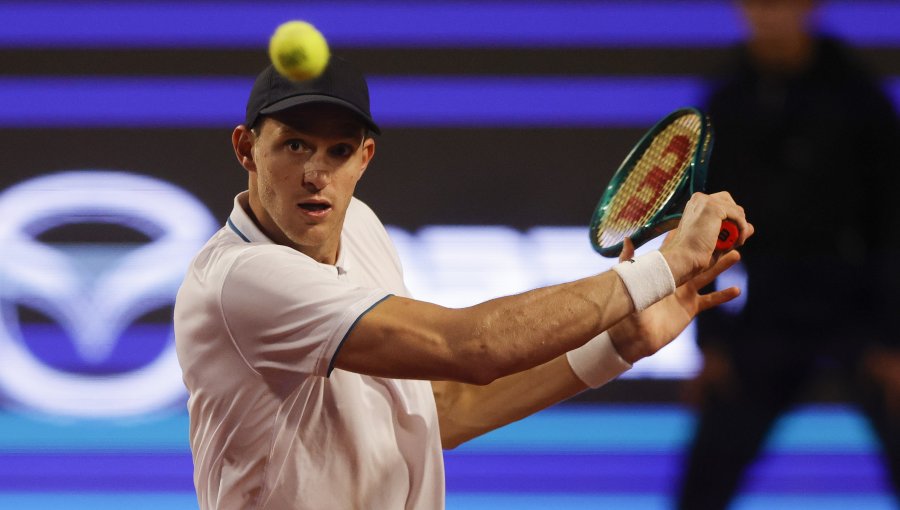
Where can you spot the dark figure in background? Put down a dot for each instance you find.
(806, 141)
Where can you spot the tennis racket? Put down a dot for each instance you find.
(647, 194)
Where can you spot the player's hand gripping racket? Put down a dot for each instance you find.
(647, 194)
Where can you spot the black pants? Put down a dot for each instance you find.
(734, 422)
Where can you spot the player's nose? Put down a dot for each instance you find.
(317, 178)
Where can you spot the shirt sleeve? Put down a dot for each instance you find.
(287, 315)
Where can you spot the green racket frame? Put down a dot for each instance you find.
(693, 180)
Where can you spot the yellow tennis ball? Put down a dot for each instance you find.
(298, 50)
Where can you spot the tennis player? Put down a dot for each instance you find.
(316, 382)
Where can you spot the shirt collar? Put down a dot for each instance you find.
(240, 223)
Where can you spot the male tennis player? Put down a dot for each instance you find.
(316, 382)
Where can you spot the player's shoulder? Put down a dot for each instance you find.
(364, 232)
(362, 222)
(360, 211)
(226, 253)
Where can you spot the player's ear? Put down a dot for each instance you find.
(368, 150)
(242, 139)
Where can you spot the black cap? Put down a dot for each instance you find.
(340, 84)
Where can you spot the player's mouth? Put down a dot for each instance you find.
(315, 208)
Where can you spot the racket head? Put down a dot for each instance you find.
(646, 194)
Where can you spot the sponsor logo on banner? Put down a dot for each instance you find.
(71, 339)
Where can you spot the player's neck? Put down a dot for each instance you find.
(325, 253)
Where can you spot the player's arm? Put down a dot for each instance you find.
(404, 338)
(466, 411)
(409, 339)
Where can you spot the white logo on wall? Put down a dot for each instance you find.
(93, 293)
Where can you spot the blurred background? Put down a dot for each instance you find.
(502, 122)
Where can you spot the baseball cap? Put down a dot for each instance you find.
(340, 84)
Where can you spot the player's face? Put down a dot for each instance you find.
(306, 166)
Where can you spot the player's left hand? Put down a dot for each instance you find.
(641, 334)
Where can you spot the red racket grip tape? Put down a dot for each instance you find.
(727, 236)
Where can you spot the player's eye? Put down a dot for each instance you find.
(343, 150)
(295, 145)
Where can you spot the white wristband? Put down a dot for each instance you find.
(597, 362)
(647, 278)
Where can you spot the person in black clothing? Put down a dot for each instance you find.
(807, 142)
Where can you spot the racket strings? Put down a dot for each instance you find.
(653, 179)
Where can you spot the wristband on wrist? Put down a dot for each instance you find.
(647, 278)
(597, 362)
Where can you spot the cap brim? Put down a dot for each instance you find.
(291, 102)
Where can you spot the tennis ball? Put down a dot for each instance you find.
(298, 51)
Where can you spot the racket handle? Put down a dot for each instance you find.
(727, 236)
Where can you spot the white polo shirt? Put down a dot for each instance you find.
(273, 425)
